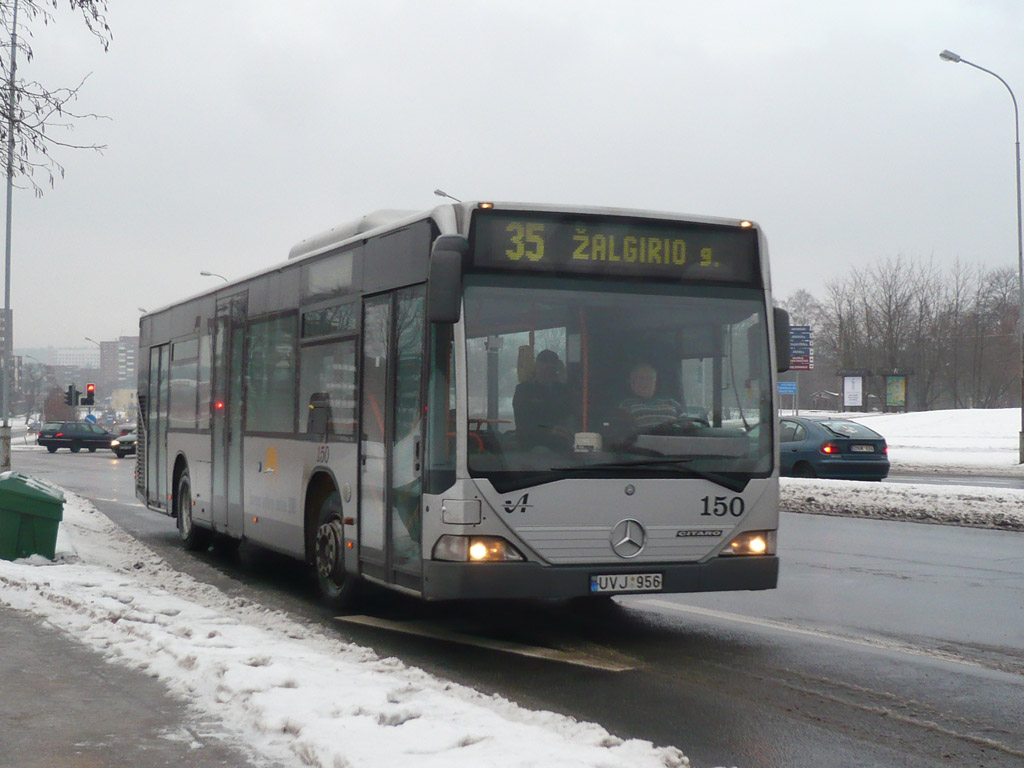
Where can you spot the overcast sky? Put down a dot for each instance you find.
(239, 127)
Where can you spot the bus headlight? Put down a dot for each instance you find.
(752, 543)
(475, 549)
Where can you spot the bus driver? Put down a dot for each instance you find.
(642, 408)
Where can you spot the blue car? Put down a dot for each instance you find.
(839, 449)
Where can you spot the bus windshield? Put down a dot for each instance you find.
(572, 377)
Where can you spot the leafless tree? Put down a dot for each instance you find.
(954, 332)
(42, 114)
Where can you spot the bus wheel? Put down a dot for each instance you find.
(336, 587)
(193, 538)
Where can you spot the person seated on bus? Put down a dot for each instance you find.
(320, 422)
(542, 406)
(643, 411)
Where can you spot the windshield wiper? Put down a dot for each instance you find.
(730, 483)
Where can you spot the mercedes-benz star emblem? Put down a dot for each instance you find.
(628, 538)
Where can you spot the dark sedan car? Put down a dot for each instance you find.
(124, 445)
(831, 448)
(75, 435)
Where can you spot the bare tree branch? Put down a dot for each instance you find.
(35, 110)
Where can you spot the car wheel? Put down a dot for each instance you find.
(92, 449)
(76, 447)
(336, 587)
(193, 538)
(803, 469)
(51, 448)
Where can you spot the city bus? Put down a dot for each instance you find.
(365, 405)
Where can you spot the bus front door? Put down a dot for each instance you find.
(391, 440)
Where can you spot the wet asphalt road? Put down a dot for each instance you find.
(886, 643)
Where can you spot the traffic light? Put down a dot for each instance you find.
(90, 395)
(71, 398)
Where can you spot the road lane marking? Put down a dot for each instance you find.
(865, 642)
(436, 632)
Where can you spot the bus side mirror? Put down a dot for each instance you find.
(781, 340)
(444, 280)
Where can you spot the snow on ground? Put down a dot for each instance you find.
(287, 691)
(945, 504)
(963, 440)
(292, 693)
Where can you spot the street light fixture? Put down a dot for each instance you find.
(442, 193)
(204, 273)
(94, 342)
(952, 57)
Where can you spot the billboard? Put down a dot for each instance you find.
(896, 391)
(853, 391)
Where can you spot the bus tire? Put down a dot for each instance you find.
(193, 538)
(336, 587)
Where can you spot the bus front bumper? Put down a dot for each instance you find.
(454, 581)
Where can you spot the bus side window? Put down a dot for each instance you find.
(327, 387)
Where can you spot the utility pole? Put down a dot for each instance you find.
(8, 346)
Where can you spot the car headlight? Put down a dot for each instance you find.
(115, 443)
(751, 543)
(475, 549)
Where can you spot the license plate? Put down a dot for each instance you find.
(862, 448)
(626, 582)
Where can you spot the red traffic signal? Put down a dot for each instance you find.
(90, 395)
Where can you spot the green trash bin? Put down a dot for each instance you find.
(30, 513)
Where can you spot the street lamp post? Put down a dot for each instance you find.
(8, 345)
(950, 56)
(204, 273)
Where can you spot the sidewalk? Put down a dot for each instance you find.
(64, 705)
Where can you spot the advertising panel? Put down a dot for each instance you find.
(853, 391)
(896, 391)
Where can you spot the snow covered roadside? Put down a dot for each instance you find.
(962, 441)
(286, 691)
(944, 504)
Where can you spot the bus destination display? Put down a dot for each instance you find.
(524, 241)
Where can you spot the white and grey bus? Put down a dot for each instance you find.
(484, 400)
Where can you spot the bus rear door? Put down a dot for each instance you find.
(228, 356)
